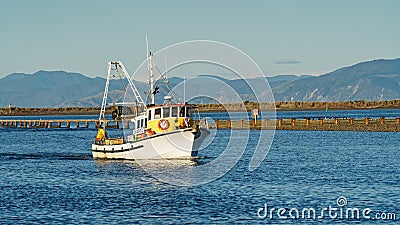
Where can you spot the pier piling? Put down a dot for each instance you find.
(307, 122)
(336, 121)
(293, 122)
(279, 123)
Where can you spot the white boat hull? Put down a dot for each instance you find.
(173, 145)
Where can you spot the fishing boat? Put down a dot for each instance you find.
(170, 130)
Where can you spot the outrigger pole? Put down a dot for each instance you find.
(139, 100)
(104, 102)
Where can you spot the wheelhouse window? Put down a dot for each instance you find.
(174, 112)
(166, 111)
(182, 112)
(157, 113)
(150, 115)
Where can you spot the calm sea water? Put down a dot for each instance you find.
(49, 176)
(370, 113)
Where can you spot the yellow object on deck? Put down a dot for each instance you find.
(100, 134)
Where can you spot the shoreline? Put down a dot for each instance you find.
(209, 108)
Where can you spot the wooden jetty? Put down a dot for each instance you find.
(65, 123)
(338, 124)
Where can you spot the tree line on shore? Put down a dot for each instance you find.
(301, 105)
(12, 110)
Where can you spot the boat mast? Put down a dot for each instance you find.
(150, 71)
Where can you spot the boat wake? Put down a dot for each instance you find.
(45, 156)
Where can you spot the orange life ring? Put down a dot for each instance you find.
(163, 124)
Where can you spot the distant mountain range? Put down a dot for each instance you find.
(372, 81)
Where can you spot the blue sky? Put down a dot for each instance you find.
(282, 37)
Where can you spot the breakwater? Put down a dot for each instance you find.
(336, 124)
(321, 124)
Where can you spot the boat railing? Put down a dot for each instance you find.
(109, 141)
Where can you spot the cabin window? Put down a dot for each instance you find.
(145, 122)
(166, 112)
(150, 114)
(157, 113)
(182, 112)
(139, 123)
(174, 112)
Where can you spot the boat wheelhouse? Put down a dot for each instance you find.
(166, 118)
